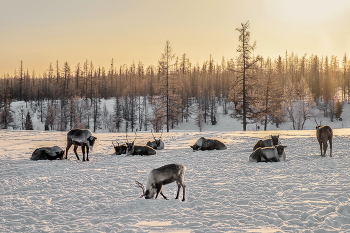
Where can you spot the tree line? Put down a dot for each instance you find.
(250, 88)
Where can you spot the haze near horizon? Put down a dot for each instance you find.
(42, 32)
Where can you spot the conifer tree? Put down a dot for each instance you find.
(28, 123)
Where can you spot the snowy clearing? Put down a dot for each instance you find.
(224, 191)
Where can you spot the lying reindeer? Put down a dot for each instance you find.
(267, 154)
(324, 133)
(208, 144)
(157, 144)
(133, 149)
(273, 141)
(48, 153)
(82, 138)
(120, 149)
(162, 176)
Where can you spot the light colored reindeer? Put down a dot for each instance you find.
(82, 138)
(268, 154)
(162, 176)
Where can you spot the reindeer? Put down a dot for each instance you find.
(156, 144)
(208, 144)
(120, 149)
(133, 149)
(82, 138)
(267, 154)
(273, 141)
(48, 153)
(324, 133)
(162, 176)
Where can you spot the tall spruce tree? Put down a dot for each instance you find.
(245, 80)
(28, 123)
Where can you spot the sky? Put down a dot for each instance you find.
(40, 32)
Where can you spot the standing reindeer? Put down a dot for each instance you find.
(156, 144)
(324, 133)
(82, 138)
(162, 176)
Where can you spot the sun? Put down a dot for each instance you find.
(308, 12)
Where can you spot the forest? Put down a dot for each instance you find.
(253, 89)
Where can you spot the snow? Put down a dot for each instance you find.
(225, 192)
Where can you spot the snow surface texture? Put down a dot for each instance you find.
(224, 193)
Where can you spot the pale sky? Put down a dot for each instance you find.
(39, 32)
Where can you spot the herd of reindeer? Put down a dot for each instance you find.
(265, 150)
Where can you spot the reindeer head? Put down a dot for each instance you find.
(91, 141)
(119, 149)
(275, 140)
(150, 189)
(280, 149)
(60, 154)
(147, 194)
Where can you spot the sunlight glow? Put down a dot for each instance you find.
(311, 12)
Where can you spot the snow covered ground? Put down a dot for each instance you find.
(225, 192)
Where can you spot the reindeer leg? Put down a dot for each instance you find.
(178, 191)
(183, 194)
(83, 150)
(75, 151)
(67, 148)
(320, 142)
(330, 146)
(159, 190)
(324, 148)
(161, 193)
(87, 153)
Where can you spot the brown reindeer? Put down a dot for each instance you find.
(273, 141)
(324, 133)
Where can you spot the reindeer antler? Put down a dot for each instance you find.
(140, 185)
(161, 134)
(135, 135)
(316, 121)
(116, 142)
(153, 135)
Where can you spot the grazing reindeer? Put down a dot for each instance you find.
(133, 149)
(156, 144)
(324, 133)
(208, 144)
(267, 154)
(120, 149)
(48, 153)
(82, 138)
(273, 141)
(162, 176)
